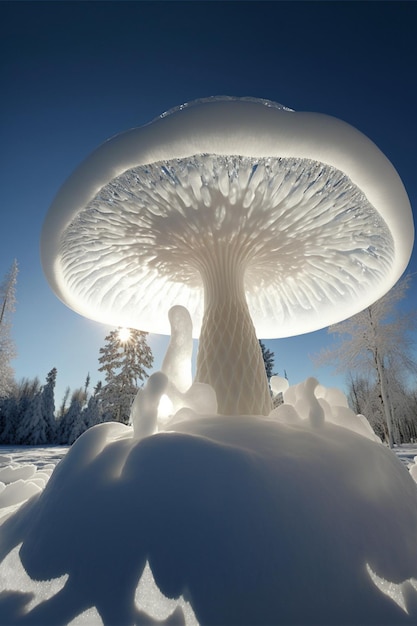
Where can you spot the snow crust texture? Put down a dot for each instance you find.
(20, 481)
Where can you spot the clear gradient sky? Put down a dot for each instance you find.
(74, 74)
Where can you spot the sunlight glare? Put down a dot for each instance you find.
(124, 334)
(164, 408)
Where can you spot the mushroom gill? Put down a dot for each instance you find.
(283, 240)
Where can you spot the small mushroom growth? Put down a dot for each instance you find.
(261, 221)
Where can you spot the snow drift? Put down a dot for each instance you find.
(251, 520)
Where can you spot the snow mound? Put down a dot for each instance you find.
(251, 520)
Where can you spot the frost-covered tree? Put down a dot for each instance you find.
(71, 424)
(86, 386)
(269, 359)
(403, 410)
(7, 347)
(16, 410)
(377, 340)
(124, 360)
(364, 398)
(27, 414)
(63, 406)
(92, 413)
(32, 426)
(8, 416)
(48, 405)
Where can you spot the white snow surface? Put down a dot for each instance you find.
(24, 472)
(254, 521)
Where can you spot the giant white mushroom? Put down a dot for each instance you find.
(261, 221)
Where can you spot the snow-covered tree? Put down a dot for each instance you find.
(124, 360)
(32, 426)
(22, 396)
(71, 424)
(92, 413)
(27, 414)
(364, 398)
(403, 410)
(8, 416)
(48, 405)
(63, 406)
(29, 423)
(7, 347)
(377, 340)
(268, 358)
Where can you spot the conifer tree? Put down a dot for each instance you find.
(63, 407)
(124, 360)
(18, 421)
(8, 416)
(86, 386)
(71, 424)
(268, 358)
(32, 426)
(48, 405)
(92, 412)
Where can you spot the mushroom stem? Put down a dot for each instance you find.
(229, 356)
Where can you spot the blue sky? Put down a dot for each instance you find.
(73, 74)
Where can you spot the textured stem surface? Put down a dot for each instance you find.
(229, 356)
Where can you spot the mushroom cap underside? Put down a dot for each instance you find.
(317, 219)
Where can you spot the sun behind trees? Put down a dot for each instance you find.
(28, 415)
(124, 360)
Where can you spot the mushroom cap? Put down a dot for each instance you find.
(317, 215)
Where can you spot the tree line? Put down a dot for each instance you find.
(28, 415)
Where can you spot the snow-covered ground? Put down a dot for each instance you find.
(47, 457)
(282, 493)
(41, 457)
(406, 452)
(24, 472)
